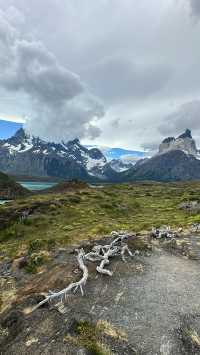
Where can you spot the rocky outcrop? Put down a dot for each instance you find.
(184, 142)
(177, 160)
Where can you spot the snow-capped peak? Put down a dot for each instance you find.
(19, 143)
(71, 152)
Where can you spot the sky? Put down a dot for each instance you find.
(8, 129)
(122, 73)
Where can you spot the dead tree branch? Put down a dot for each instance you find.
(100, 253)
(104, 252)
(73, 286)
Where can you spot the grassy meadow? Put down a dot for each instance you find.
(60, 219)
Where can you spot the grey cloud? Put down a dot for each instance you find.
(151, 146)
(57, 95)
(121, 78)
(14, 16)
(115, 123)
(140, 59)
(186, 116)
(7, 32)
(73, 119)
(93, 132)
(195, 6)
(38, 74)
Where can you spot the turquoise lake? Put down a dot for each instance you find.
(36, 185)
(32, 186)
(4, 201)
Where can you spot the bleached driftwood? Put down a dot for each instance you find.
(24, 215)
(162, 232)
(111, 251)
(104, 252)
(100, 253)
(73, 286)
(195, 227)
(124, 249)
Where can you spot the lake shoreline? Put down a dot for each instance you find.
(33, 185)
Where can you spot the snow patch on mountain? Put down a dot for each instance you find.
(92, 163)
(28, 155)
(119, 165)
(58, 154)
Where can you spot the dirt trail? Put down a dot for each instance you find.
(153, 303)
(146, 297)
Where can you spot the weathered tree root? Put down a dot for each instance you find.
(195, 227)
(104, 252)
(124, 249)
(163, 232)
(72, 287)
(99, 253)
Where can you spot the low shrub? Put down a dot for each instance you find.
(35, 245)
(51, 243)
(35, 261)
(27, 222)
(75, 199)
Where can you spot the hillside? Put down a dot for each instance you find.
(9, 189)
(67, 214)
(174, 165)
(66, 186)
(159, 282)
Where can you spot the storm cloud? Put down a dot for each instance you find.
(187, 115)
(57, 95)
(72, 67)
(195, 6)
(116, 78)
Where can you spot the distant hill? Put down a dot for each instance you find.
(64, 186)
(10, 189)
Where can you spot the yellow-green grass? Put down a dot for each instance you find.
(69, 217)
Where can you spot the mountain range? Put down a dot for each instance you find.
(8, 128)
(23, 154)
